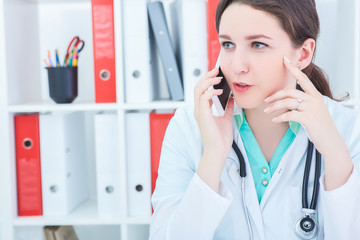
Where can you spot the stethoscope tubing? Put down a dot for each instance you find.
(315, 193)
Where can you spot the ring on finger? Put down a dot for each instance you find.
(298, 104)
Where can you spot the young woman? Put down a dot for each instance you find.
(281, 113)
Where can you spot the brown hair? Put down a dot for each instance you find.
(300, 20)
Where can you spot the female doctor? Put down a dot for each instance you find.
(300, 148)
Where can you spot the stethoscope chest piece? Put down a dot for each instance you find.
(306, 228)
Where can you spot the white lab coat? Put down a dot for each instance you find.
(186, 208)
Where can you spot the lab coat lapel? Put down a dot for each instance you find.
(251, 199)
(288, 163)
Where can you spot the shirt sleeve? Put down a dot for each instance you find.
(341, 217)
(185, 207)
(340, 206)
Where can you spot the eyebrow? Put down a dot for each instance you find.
(251, 37)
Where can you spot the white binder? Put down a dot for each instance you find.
(193, 43)
(107, 165)
(63, 162)
(138, 164)
(138, 81)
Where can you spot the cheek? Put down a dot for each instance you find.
(274, 74)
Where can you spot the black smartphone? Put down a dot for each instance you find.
(222, 100)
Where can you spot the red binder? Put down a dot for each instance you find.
(104, 50)
(28, 169)
(158, 125)
(213, 40)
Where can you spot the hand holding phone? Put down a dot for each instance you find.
(222, 100)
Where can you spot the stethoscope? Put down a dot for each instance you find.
(305, 227)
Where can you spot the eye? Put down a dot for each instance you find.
(259, 45)
(227, 45)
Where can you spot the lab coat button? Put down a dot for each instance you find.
(265, 182)
(264, 170)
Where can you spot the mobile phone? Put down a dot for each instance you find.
(222, 100)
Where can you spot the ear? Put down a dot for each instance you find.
(305, 53)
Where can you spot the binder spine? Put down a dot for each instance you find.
(107, 165)
(158, 125)
(104, 51)
(165, 48)
(213, 41)
(138, 164)
(28, 169)
(193, 44)
(139, 87)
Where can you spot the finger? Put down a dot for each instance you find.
(301, 78)
(204, 85)
(205, 101)
(294, 116)
(213, 73)
(208, 94)
(286, 103)
(287, 93)
(230, 108)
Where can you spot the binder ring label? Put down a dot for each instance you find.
(136, 74)
(53, 189)
(109, 189)
(139, 188)
(28, 143)
(197, 72)
(104, 74)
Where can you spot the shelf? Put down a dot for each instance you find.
(85, 214)
(138, 221)
(56, 1)
(154, 105)
(48, 106)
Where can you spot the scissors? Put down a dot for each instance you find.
(74, 48)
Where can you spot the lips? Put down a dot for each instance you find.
(241, 87)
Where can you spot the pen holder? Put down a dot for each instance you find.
(63, 84)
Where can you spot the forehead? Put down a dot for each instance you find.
(241, 20)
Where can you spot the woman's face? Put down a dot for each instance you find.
(253, 45)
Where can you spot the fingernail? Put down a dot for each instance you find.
(274, 119)
(266, 109)
(266, 99)
(286, 59)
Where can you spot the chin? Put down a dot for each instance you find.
(248, 102)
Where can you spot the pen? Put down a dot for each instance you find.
(66, 59)
(57, 58)
(47, 63)
(75, 57)
(71, 58)
(51, 64)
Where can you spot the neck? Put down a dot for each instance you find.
(259, 121)
(267, 133)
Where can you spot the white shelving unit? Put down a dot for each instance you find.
(28, 28)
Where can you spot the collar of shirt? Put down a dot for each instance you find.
(239, 119)
(262, 171)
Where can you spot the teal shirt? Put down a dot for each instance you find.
(260, 169)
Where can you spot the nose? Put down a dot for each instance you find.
(239, 63)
